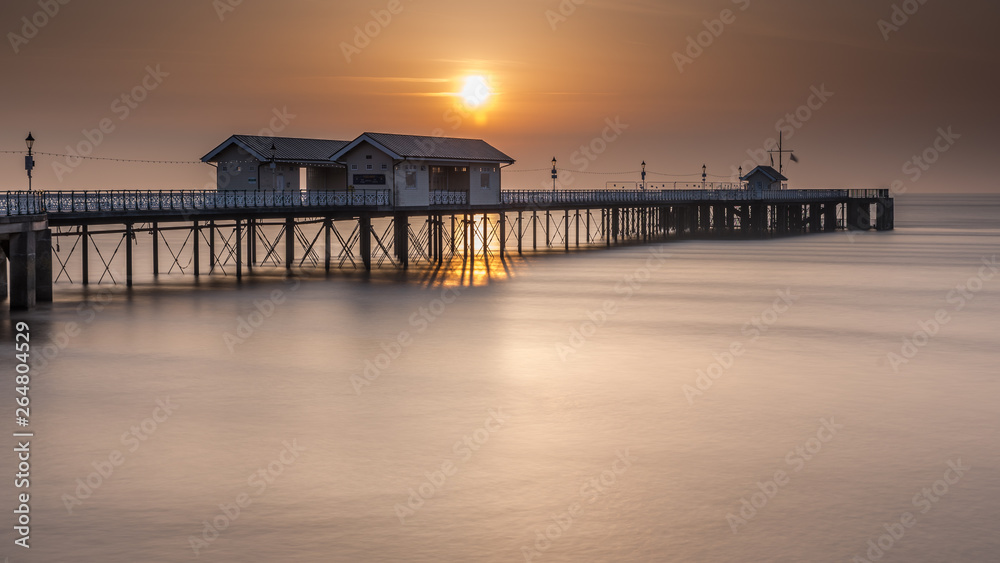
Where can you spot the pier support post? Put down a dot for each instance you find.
(289, 243)
(486, 238)
(129, 235)
(503, 234)
(43, 266)
(327, 231)
(85, 255)
(520, 231)
(196, 235)
(830, 217)
(211, 247)
(534, 230)
(156, 249)
(22, 270)
(858, 215)
(251, 244)
(566, 231)
(884, 220)
(239, 250)
(431, 245)
(365, 244)
(401, 241)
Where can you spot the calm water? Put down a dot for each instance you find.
(637, 404)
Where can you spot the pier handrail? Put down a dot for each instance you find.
(21, 203)
(37, 202)
(200, 200)
(527, 197)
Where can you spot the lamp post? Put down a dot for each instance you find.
(555, 174)
(741, 177)
(643, 187)
(29, 161)
(704, 175)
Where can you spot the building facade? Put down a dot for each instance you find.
(417, 170)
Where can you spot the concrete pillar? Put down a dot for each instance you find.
(43, 266)
(22, 271)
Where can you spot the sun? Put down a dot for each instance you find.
(476, 92)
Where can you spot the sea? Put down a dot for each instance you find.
(827, 397)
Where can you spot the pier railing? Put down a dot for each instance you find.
(438, 197)
(129, 200)
(575, 197)
(28, 203)
(21, 203)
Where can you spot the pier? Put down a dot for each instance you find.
(235, 233)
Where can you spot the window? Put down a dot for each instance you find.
(411, 180)
(239, 169)
(370, 167)
(252, 181)
(385, 167)
(368, 157)
(225, 168)
(354, 167)
(484, 181)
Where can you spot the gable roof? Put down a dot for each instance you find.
(289, 149)
(424, 147)
(771, 173)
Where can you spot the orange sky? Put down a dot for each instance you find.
(560, 72)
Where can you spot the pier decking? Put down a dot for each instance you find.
(231, 226)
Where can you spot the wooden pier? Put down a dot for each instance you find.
(234, 233)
